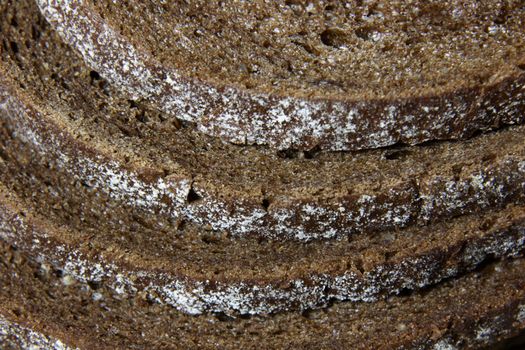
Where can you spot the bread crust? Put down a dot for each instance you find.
(404, 203)
(17, 336)
(194, 292)
(285, 122)
(476, 310)
(332, 204)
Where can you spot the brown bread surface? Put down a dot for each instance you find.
(470, 313)
(82, 256)
(122, 147)
(304, 75)
(225, 273)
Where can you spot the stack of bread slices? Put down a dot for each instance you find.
(262, 174)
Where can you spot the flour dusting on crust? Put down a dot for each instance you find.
(13, 334)
(396, 207)
(197, 295)
(247, 117)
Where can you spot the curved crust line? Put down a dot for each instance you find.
(195, 296)
(406, 203)
(281, 122)
(26, 338)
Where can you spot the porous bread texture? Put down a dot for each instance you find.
(476, 310)
(52, 101)
(316, 74)
(67, 311)
(463, 43)
(197, 275)
(492, 182)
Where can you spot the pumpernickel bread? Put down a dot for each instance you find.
(197, 271)
(52, 103)
(122, 226)
(317, 74)
(472, 312)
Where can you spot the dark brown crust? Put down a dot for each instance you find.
(407, 202)
(477, 310)
(299, 209)
(437, 317)
(243, 117)
(192, 289)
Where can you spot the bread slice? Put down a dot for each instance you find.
(197, 271)
(473, 311)
(304, 75)
(68, 121)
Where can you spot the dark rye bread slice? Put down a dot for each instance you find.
(471, 312)
(196, 271)
(16, 337)
(318, 74)
(74, 122)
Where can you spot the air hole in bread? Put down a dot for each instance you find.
(180, 224)
(222, 317)
(86, 184)
(14, 47)
(405, 292)
(293, 2)
(295, 154)
(389, 255)
(35, 32)
(397, 154)
(359, 265)
(456, 170)
(17, 312)
(133, 104)
(94, 75)
(306, 313)
(334, 37)
(142, 117)
(310, 154)
(193, 196)
(40, 274)
(3, 155)
(367, 33)
(489, 260)
(209, 239)
(94, 284)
